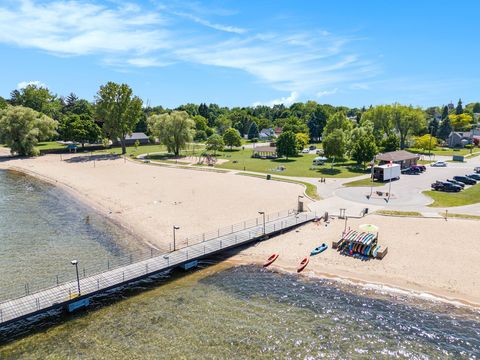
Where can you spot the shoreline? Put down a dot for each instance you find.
(83, 199)
(390, 288)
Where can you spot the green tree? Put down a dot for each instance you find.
(426, 142)
(287, 144)
(302, 140)
(232, 138)
(382, 119)
(459, 108)
(119, 110)
(407, 120)
(22, 128)
(391, 143)
(337, 121)
(253, 131)
(476, 108)
(81, 130)
(174, 130)
(362, 144)
(3, 103)
(316, 122)
(461, 122)
(295, 125)
(222, 123)
(37, 98)
(335, 143)
(445, 128)
(444, 112)
(215, 143)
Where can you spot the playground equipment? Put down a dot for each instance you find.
(363, 245)
(207, 159)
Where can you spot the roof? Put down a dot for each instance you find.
(271, 149)
(399, 155)
(136, 136)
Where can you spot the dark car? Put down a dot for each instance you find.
(411, 171)
(454, 182)
(474, 176)
(445, 186)
(419, 167)
(465, 180)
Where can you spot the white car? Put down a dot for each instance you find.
(305, 151)
(439, 164)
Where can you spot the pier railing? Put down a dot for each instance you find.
(25, 289)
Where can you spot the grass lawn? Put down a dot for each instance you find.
(465, 197)
(424, 162)
(460, 216)
(441, 151)
(300, 165)
(398, 213)
(364, 182)
(310, 189)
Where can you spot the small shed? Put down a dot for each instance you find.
(401, 157)
(265, 152)
(131, 139)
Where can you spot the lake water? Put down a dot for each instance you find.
(222, 312)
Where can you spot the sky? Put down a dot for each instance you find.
(243, 53)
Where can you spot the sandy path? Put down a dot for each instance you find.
(150, 199)
(433, 255)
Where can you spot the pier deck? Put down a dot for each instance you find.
(67, 293)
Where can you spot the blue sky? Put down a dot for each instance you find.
(240, 53)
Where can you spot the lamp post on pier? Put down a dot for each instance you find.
(263, 214)
(75, 262)
(174, 230)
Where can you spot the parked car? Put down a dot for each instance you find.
(313, 147)
(439, 164)
(305, 151)
(411, 171)
(420, 168)
(477, 169)
(465, 180)
(455, 182)
(445, 186)
(474, 177)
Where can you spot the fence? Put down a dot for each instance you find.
(31, 300)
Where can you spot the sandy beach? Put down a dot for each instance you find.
(149, 200)
(424, 255)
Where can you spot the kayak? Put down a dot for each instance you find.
(319, 249)
(303, 264)
(270, 260)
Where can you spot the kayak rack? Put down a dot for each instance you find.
(359, 244)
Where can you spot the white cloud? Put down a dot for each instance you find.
(287, 100)
(326, 92)
(127, 35)
(24, 84)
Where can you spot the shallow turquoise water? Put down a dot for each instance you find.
(215, 312)
(42, 229)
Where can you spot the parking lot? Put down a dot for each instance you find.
(407, 192)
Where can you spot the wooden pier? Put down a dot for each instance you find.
(66, 295)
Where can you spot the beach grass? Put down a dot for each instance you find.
(398, 213)
(310, 189)
(465, 197)
(363, 182)
(301, 165)
(460, 216)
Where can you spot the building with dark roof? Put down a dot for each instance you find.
(401, 157)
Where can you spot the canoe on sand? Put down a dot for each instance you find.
(319, 249)
(303, 264)
(270, 260)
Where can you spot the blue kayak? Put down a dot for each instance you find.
(319, 249)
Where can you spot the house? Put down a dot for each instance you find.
(136, 136)
(265, 152)
(401, 157)
(458, 139)
(266, 134)
(278, 131)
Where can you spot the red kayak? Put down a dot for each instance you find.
(270, 260)
(303, 264)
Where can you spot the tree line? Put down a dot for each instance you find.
(34, 114)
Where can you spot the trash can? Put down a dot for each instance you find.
(269, 176)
